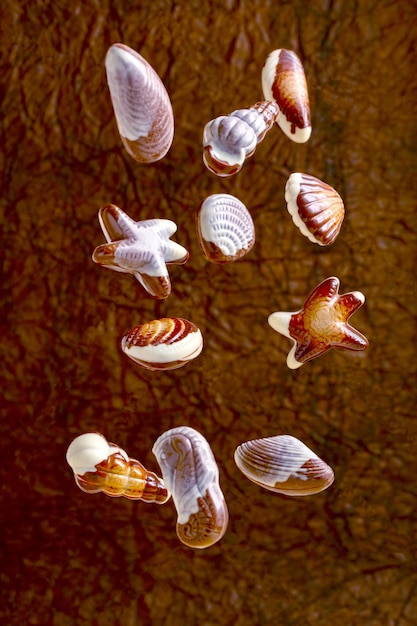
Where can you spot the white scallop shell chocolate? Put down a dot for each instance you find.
(190, 472)
(284, 81)
(283, 464)
(141, 104)
(225, 228)
(315, 207)
(230, 139)
(163, 344)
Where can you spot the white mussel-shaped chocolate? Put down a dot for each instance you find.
(283, 464)
(163, 344)
(190, 472)
(229, 139)
(142, 248)
(141, 104)
(284, 81)
(225, 228)
(100, 466)
(315, 207)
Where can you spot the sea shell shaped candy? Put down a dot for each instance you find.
(102, 466)
(315, 207)
(190, 471)
(163, 344)
(284, 81)
(225, 228)
(230, 139)
(141, 104)
(283, 464)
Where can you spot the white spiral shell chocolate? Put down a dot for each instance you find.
(283, 464)
(141, 104)
(225, 228)
(284, 81)
(315, 207)
(190, 472)
(163, 344)
(100, 466)
(229, 139)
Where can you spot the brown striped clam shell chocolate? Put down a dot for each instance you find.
(163, 344)
(284, 81)
(191, 474)
(230, 139)
(283, 464)
(315, 207)
(141, 104)
(225, 228)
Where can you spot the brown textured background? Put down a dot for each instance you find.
(346, 556)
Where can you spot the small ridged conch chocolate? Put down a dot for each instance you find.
(315, 207)
(283, 464)
(225, 228)
(284, 81)
(163, 344)
(100, 466)
(141, 104)
(190, 471)
(230, 139)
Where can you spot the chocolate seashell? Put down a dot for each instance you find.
(230, 139)
(102, 466)
(190, 471)
(225, 228)
(284, 81)
(141, 104)
(163, 344)
(315, 207)
(283, 464)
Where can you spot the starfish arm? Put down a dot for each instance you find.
(115, 223)
(353, 339)
(326, 290)
(350, 302)
(174, 253)
(106, 255)
(157, 286)
(305, 350)
(163, 228)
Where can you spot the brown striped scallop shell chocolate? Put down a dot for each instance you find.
(225, 228)
(100, 466)
(284, 81)
(141, 104)
(163, 344)
(315, 207)
(190, 472)
(283, 464)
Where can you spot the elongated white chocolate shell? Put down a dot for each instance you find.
(225, 228)
(283, 80)
(163, 344)
(190, 471)
(141, 104)
(315, 207)
(283, 464)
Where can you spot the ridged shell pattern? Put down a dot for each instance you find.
(100, 466)
(162, 344)
(190, 472)
(141, 104)
(225, 228)
(315, 207)
(284, 81)
(283, 464)
(229, 139)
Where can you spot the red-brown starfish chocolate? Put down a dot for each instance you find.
(321, 324)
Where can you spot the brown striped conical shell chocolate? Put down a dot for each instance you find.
(315, 207)
(284, 81)
(283, 464)
(190, 471)
(225, 228)
(100, 466)
(230, 139)
(163, 344)
(141, 104)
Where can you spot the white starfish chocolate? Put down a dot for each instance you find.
(140, 248)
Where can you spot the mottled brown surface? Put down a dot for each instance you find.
(346, 556)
